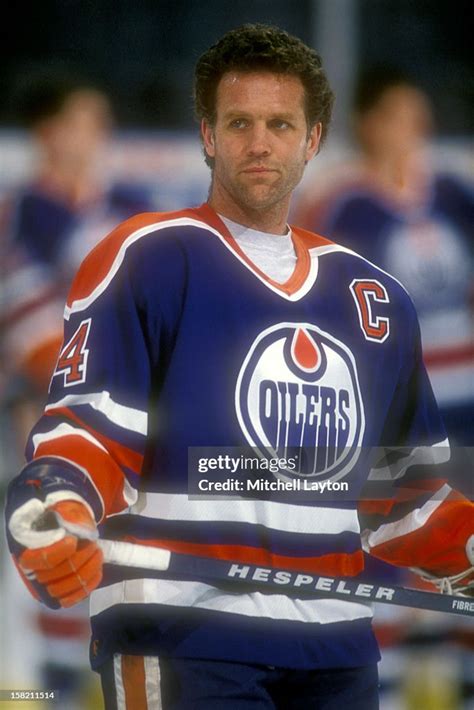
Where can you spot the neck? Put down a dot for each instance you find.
(272, 219)
(401, 174)
(75, 183)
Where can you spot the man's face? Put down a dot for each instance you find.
(78, 132)
(398, 125)
(260, 142)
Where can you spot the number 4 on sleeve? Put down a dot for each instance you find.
(72, 360)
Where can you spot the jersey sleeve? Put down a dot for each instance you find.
(31, 305)
(118, 322)
(410, 514)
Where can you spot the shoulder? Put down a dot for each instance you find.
(349, 267)
(141, 244)
(140, 227)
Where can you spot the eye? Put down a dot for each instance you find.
(280, 124)
(239, 123)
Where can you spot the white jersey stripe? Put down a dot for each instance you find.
(153, 682)
(420, 455)
(331, 248)
(127, 417)
(64, 429)
(279, 516)
(411, 522)
(183, 594)
(119, 687)
(83, 303)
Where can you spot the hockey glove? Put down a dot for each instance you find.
(59, 568)
(461, 584)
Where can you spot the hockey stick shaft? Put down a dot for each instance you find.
(256, 578)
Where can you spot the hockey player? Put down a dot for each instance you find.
(50, 223)
(222, 326)
(396, 208)
(47, 226)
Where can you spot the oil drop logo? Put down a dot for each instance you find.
(298, 392)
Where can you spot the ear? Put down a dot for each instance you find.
(314, 139)
(207, 135)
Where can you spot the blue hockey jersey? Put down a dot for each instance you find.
(428, 246)
(174, 339)
(44, 236)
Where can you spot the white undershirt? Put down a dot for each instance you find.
(274, 254)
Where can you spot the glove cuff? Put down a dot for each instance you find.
(457, 584)
(21, 526)
(21, 522)
(58, 496)
(48, 476)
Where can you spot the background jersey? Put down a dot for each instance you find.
(43, 239)
(429, 248)
(173, 339)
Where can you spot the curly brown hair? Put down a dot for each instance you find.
(254, 47)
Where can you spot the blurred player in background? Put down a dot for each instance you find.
(392, 207)
(51, 223)
(47, 227)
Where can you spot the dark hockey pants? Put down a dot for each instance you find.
(151, 683)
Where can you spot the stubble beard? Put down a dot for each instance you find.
(264, 196)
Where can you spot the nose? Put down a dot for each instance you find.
(259, 141)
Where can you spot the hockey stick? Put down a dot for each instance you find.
(256, 578)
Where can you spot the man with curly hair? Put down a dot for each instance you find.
(221, 326)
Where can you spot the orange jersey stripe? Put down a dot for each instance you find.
(302, 241)
(331, 564)
(439, 546)
(134, 684)
(103, 470)
(121, 454)
(98, 263)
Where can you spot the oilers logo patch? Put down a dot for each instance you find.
(298, 393)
